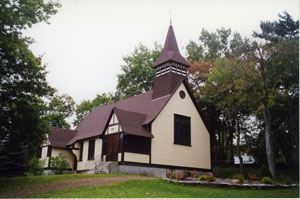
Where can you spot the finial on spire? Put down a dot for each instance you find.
(170, 18)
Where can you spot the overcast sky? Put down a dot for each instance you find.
(84, 45)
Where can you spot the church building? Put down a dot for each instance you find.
(150, 133)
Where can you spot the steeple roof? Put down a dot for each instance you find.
(170, 51)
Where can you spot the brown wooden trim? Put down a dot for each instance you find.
(150, 151)
(112, 133)
(106, 125)
(122, 156)
(49, 158)
(73, 148)
(163, 166)
(87, 138)
(113, 124)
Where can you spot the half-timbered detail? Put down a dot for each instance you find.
(148, 133)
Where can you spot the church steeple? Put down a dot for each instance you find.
(170, 51)
(170, 67)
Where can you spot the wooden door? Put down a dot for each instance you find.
(112, 147)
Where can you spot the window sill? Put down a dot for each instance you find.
(183, 144)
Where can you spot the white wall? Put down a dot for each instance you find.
(164, 151)
(68, 153)
(44, 156)
(136, 157)
(115, 125)
(54, 153)
(85, 163)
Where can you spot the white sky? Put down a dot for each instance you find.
(84, 45)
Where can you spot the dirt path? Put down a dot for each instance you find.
(44, 188)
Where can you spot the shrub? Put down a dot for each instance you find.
(206, 177)
(178, 176)
(35, 166)
(285, 179)
(222, 172)
(59, 163)
(202, 178)
(171, 175)
(187, 174)
(210, 178)
(28, 174)
(263, 172)
(239, 177)
(267, 180)
(229, 172)
(193, 173)
(252, 176)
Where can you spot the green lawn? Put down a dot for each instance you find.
(163, 189)
(7, 184)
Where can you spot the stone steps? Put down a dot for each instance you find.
(106, 167)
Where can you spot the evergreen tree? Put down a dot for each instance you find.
(22, 84)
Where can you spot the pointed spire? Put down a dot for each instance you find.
(170, 51)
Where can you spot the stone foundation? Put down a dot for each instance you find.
(151, 171)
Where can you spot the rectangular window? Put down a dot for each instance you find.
(81, 151)
(49, 151)
(137, 144)
(182, 130)
(104, 145)
(91, 150)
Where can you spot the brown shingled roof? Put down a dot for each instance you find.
(132, 123)
(170, 51)
(133, 113)
(60, 137)
(95, 122)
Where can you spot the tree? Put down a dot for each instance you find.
(22, 84)
(86, 106)
(138, 73)
(202, 58)
(228, 88)
(59, 109)
(277, 55)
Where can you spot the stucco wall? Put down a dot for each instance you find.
(136, 157)
(68, 153)
(164, 151)
(85, 163)
(44, 155)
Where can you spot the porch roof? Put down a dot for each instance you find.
(132, 123)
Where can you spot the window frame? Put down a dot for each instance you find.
(81, 151)
(91, 151)
(137, 144)
(179, 138)
(49, 151)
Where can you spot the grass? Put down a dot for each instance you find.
(7, 184)
(163, 189)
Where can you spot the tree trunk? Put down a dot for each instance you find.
(267, 118)
(238, 146)
(269, 146)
